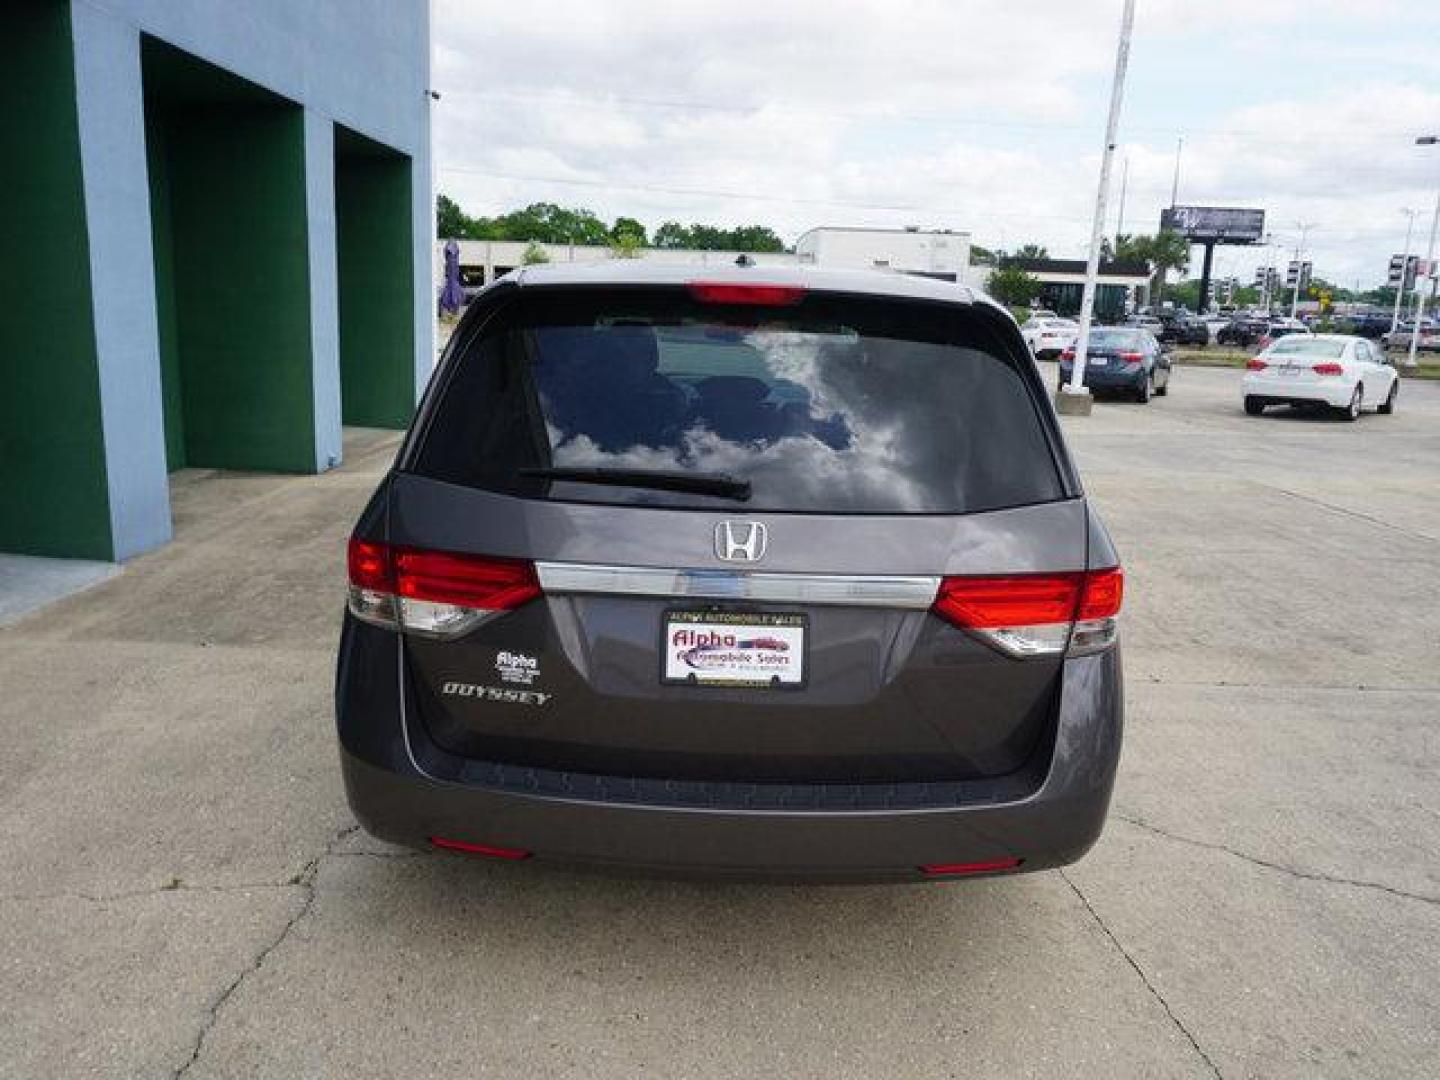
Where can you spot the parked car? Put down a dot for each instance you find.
(1280, 328)
(1150, 323)
(624, 480)
(1124, 359)
(1400, 338)
(1047, 338)
(1341, 372)
(1368, 325)
(1185, 330)
(1243, 331)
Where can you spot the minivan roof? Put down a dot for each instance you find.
(642, 272)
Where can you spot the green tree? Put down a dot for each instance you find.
(1030, 251)
(630, 231)
(450, 221)
(1167, 250)
(534, 254)
(672, 234)
(626, 245)
(1011, 285)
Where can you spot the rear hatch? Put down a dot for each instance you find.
(722, 519)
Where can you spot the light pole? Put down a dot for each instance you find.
(1304, 227)
(1075, 398)
(1425, 140)
(1404, 269)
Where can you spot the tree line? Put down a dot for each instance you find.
(548, 223)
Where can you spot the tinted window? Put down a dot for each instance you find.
(836, 405)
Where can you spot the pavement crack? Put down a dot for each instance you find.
(1356, 514)
(1279, 868)
(1159, 997)
(305, 880)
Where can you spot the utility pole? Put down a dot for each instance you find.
(1404, 268)
(1304, 227)
(1425, 140)
(1175, 182)
(1075, 398)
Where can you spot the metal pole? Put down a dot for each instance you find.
(1404, 268)
(1425, 140)
(1175, 182)
(1299, 268)
(1097, 226)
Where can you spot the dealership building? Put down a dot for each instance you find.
(215, 243)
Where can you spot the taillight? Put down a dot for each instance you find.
(1328, 369)
(1068, 353)
(1026, 615)
(438, 593)
(1132, 357)
(756, 295)
(1256, 364)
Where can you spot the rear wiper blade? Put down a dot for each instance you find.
(717, 484)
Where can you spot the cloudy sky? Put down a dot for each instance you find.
(964, 114)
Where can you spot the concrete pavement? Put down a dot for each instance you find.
(184, 892)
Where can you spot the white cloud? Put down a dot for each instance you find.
(974, 115)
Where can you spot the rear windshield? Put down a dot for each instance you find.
(1303, 344)
(1117, 339)
(836, 405)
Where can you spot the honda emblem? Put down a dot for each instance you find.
(741, 541)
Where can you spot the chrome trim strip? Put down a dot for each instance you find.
(851, 590)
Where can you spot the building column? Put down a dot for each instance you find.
(324, 293)
(111, 112)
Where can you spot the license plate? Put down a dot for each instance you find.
(1099, 361)
(1289, 369)
(720, 648)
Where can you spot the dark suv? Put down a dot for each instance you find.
(777, 573)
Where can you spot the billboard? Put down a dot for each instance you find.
(1215, 224)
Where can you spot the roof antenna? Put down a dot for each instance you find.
(744, 260)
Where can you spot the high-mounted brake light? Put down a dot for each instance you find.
(438, 593)
(1256, 364)
(756, 295)
(1027, 615)
(1328, 369)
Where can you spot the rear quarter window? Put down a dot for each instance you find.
(838, 405)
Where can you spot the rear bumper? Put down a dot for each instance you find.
(1105, 379)
(1053, 822)
(1297, 390)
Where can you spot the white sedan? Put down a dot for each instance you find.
(1047, 337)
(1345, 373)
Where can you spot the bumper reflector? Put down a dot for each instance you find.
(490, 851)
(960, 869)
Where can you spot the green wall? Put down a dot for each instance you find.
(376, 275)
(53, 493)
(227, 178)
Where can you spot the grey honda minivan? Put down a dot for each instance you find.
(738, 571)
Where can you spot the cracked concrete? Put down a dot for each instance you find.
(183, 892)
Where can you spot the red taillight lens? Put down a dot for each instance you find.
(1328, 369)
(1068, 354)
(1102, 594)
(959, 869)
(488, 850)
(472, 581)
(724, 292)
(1132, 357)
(993, 603)
(370, 566)
(1256, 364)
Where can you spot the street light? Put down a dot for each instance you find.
(1074, 397)
(1425, 140)
(1404, 268)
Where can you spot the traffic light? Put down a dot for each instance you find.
(1292, 274)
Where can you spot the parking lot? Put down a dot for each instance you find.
(184, 891)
